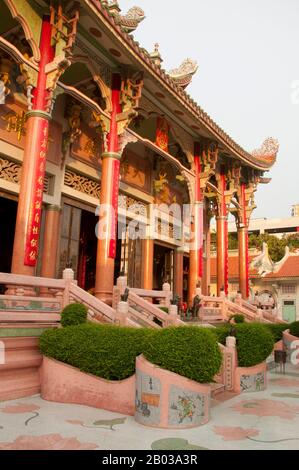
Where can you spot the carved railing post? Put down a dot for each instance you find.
(68, 275)
(122, 313)
(166, 288)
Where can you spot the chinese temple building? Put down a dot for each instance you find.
(98, 143)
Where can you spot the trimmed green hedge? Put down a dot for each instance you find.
(189, 351)
(277, 329)
(74, 314)
(106, 351)
(255, 341)
(238, 318)
(254, 344)
(294, 328)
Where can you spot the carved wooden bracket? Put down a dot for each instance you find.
(63, 36)
(102, 123)
(130, 94)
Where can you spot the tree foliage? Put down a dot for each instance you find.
(276, 245)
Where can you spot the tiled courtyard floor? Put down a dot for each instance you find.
(261, 420)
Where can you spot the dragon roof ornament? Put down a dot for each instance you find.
(268, 151)
(128, 22)
(182, 76)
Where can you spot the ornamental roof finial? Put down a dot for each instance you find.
(268, 150)
(182, 76)
(155, 55)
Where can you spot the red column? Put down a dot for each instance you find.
(28, 222)
(147, 262)
(222, 240)
(106, 250)
(178, 271)
(243, 248)
(207, 256)
(195, 269)
(51, 241)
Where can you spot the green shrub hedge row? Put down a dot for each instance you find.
(254, 342)
(192, 352)
(294, 328)
(277, 329)
(109, 351)
(106, 351)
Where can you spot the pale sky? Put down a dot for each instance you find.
(247, 52)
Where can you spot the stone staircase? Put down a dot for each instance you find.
(19, 375)
(219, 309)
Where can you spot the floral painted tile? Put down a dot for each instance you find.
(47, 442)
(22, 408)
(175, 443)
(235, 433)
(266, 407)
(285, 382)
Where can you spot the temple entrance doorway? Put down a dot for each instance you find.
(163, 266)
(128, 257)
(87, 251)
(8, 215)
(78, 244)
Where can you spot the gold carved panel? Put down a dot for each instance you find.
(136, 171)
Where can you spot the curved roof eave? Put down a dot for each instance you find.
(159, 74)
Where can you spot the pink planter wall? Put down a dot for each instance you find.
(66, 384)
(167, 400)
(251, 379)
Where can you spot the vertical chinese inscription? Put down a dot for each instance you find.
(114, 203)
(34, 222)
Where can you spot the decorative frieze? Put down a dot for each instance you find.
(86, 185)
(11, 171)
(81, 183)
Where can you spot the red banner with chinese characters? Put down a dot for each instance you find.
(114, 205)
(34, 223)
(162, 134)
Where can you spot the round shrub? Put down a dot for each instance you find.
(189, 351)
(294, 328)
(254, 344)
(238, 318)
(106, 351)
(74, 314)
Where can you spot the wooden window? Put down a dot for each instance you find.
(289, 288)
